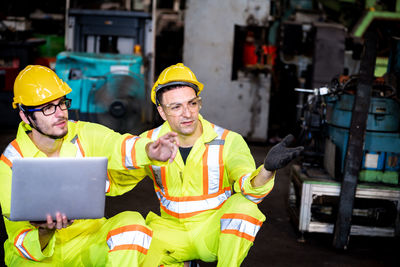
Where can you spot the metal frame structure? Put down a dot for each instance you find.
(83, 23)
(310, 188)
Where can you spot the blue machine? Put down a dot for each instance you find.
(106, 88)
(381, 153)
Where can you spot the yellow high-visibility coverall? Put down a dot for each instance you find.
(122, 240)
(201, 218)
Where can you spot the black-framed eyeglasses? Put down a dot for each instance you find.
(51, 108)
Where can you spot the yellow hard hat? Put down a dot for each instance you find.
(36, 85)
(177, 74)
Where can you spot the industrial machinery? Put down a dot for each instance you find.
(325, 127)
(348, 182)
(107, 64)
(106, 88)
(316, 185)
(381, 152)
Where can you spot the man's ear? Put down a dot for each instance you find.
(161, 112)
(23, 117)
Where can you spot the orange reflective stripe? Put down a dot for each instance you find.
(260, 197)
(130, 237)
(127, 228)
(130, 247)
(11, 152)
(80, 153)
(19, 244)
(6, 160)
(242, 217)
(238, 234)
(108, 183)
(186, 215)
(195, 198)
(223, 137)
(80, 147)
(150, 133)
(221, 160)
(133, 156)
(132, 153)
(252, 197)
(164, 180)
(241, 180)
(158, 173)
(153, 133)
(212, 196)
(153, 176)
(128, 152)
(241, 225)
(184, 207)
(16, 146)
(205, 171)
(215, 160)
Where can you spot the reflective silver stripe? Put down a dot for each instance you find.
(249, 197)
(214, 148)
(217, 142)
(11, 153)
(157, 176)
(19, 245)
(213, 169)
(79, 153)
(107, 185)
(129, 145)
(243, 179)
(219, 130)
(129, 237)
(183, 207)
(156, 132)
(240, 225)
(254, 199)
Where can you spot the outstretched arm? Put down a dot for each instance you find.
(164, 148)
(278, 157)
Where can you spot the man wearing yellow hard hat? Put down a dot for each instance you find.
(45, 131)
(209, 194)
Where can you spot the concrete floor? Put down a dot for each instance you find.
(277, 242)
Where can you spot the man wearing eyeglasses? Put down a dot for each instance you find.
(209, 194)
(45, 131)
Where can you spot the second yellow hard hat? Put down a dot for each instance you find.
(174, 75)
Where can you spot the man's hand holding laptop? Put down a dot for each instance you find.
(163, 149)
(46, 229)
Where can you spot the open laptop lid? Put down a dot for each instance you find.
(72, 186)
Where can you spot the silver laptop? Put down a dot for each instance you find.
(72, 186)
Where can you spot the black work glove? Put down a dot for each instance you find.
(280, 154)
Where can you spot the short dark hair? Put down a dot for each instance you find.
(169, 88)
